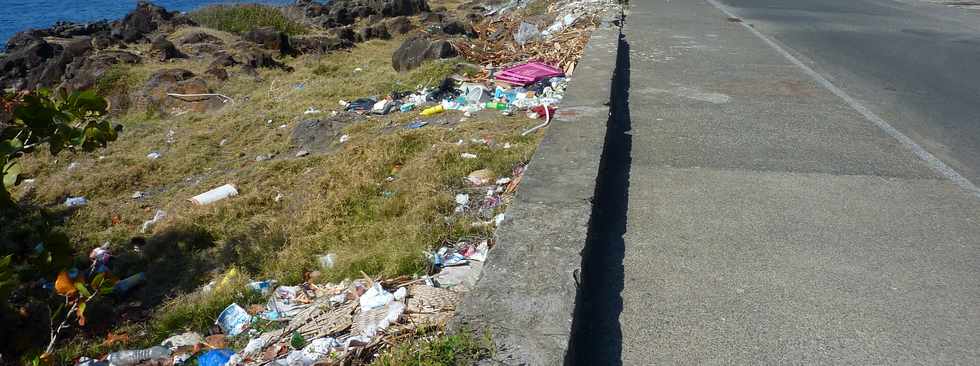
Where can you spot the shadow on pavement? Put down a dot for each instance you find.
(596, 337)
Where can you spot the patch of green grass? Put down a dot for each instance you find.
(444, 350)
(243, 18)
(117, 80)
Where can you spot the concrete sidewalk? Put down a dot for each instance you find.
(769, 222)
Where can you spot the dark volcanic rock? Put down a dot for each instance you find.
(319, 44)
(399, 25)
(432, 17)
(22, 67)
(341, 13)
(177, 81)
(164, 50)
(322, 136)
(255, 59)
(223, 60)
(83, 72)
(345, 34)
(218, 73)
(418, 49)
(270, 39)
(376, 31)
(146, 18)
(200, 37)
(454, 27)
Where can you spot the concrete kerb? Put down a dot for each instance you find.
(525, 297)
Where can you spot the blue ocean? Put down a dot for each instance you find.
(18, 15)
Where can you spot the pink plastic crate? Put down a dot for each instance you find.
(528, 73)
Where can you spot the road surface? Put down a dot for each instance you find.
(914, 63)
(799, 191)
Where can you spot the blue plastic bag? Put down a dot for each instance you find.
(215, 357)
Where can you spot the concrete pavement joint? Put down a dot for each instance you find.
(931, 160)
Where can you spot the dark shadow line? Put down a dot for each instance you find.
(596, 337)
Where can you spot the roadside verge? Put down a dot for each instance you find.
(525, 298)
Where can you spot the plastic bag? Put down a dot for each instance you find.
(526, 32)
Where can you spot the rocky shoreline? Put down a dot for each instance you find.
(74, 56)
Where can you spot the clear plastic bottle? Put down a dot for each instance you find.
(133, 357)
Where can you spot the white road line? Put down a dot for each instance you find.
(933, 162)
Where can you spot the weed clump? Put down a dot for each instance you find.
(243, 18)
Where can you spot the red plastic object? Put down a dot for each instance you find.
(528, 73)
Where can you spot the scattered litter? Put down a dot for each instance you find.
(309, 111)
(138, 195)
(467, 156)
(215, 195)
(188, 339)
(215, 357)
(344, 138)
(153, 155)
(480, 177)
(72, 166)
(157, 217)
(302, 153)
(375, 297)
(433, 110)
(417, 124)
(135, 357)
(124, 285)
(327, 261)
(76, 201)
(525, 33)
(233, 320)
(262, 287)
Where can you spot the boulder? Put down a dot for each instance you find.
(200, 37)
(23, 64)
(456, 27)
(163, 49)
(320, 44)
(270, 39)
(256, 59)
(345, 34)
(177, 81)
(145, 19)
(399, 25)
(416, 50)
(376, 31)
(84, 72)
(393, 8)
(428, 17)
(218, 73)
(223, 60)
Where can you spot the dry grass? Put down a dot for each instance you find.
(338, 202)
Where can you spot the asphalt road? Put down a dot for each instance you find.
(769, 219)
(914, 63)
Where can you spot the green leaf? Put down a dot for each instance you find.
(98, 280)
(82, 289)
(81, 308)
(105, 291)
(11, 171)
(10, 146)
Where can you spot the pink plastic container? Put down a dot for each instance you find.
(528, 73)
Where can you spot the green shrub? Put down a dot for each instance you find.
(243, 18)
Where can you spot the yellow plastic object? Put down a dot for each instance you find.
(433, 110)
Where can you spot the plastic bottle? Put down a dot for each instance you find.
(495, 105)
(134, 357)
(433, 110)
(406, 107)
(123, 286)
